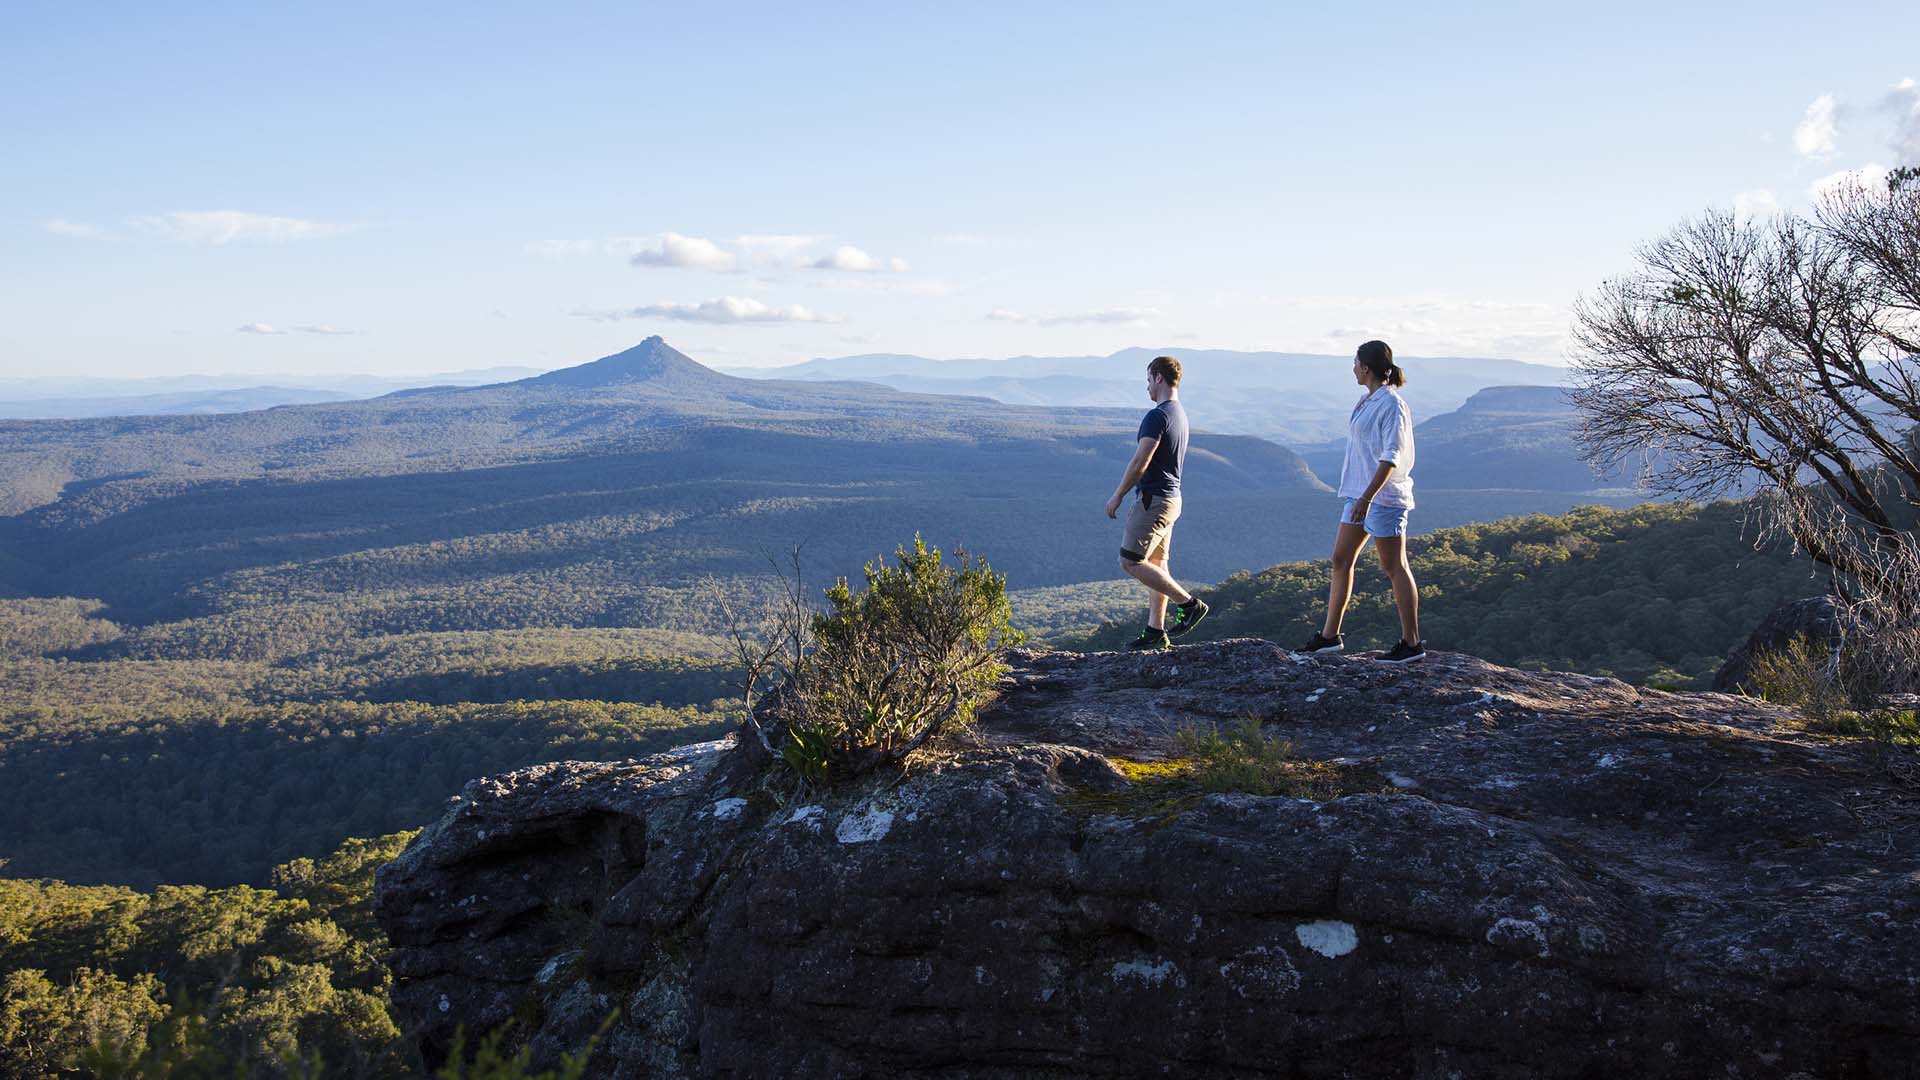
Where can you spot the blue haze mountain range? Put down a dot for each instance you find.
(1296, 399)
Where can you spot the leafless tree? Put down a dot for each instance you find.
(1787, 352)
(772, 640)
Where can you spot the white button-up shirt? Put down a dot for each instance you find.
(1381, 429)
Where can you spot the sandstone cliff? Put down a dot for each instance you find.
(1531, 874)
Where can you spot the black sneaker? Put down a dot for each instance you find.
(1319, 644)
(1187, 616)
(1404, 653)
(1150, 639)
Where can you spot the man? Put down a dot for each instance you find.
(1160, 452)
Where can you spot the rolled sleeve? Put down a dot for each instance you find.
(1395, 434)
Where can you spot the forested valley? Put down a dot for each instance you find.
(224, 673)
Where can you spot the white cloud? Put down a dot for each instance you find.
(772, 253)
(725, 310)
(258, 328)
(1813, 136)
(226, 226)
(687, 253)
(855, 261)
(560, 249)
(1114, 316)
(1758, 203)
(80, 229)
(1871, 178)
(325, 330)
(771, 249)
(1903, 102)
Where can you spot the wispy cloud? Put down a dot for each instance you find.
(1758, 203)
(1903, 103)
(723, 310)
(852, 260)
(216, 227)
(1113, 317)
(560, 249)
(269, 328)
(772, 249)
(1870, 178)
(78, 229)
(1813, 136)
(767, 253)
(688, 253)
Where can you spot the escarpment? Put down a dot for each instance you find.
(1512, 874)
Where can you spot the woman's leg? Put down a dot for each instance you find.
(1346, 551)
(1406, 595)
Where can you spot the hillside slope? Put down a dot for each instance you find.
(1659, 592)
(639, 470)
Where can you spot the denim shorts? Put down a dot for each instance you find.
(1381, 520)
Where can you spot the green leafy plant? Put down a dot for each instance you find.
(492, 1062)
(1800, 675)
(880, 671)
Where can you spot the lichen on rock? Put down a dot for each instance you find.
(1013, 907)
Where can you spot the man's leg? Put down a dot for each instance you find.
(1406, 595)
(1157, 603)
(1346, 551)
(1155, 577)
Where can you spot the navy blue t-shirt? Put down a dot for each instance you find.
(1167, 422)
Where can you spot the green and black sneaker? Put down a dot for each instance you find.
(1150, 638)
(1187, 616)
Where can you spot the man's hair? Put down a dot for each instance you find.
(1167, 368)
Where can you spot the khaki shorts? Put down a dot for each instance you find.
(1149, 529)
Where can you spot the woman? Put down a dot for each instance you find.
(1378, 491)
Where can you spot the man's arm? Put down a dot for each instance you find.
(1141, 455)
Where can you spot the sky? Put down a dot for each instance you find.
(399, 189)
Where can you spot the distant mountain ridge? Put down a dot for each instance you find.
(1292, 398)
(652, 361)
(623, 482)
(82, 397)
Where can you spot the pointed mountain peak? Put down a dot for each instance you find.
(652, 361)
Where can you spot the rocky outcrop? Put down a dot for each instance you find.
(1528, 875)
(1814, 619)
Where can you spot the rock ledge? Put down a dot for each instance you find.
(1565, 876)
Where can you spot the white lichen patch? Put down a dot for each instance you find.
(728, 809)
(1316, 695)
(1149, 970)
(807, 815)
(1262, 971)
(1607, 760)
(693, 750)
(1330, 938)
(864, 826)
(444, 1003)
(1401, 780)
(1523, 932)
(552, 967)
(1498, 783)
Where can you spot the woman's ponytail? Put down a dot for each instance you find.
(1377, 357)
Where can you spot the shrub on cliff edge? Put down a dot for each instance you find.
(869, 680)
